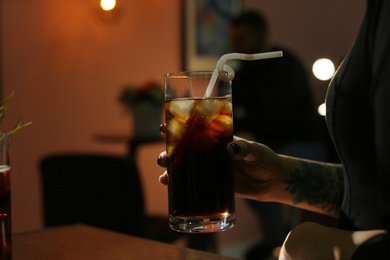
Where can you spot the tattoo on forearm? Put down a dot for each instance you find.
(318, 186)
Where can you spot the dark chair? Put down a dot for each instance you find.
(99, 190)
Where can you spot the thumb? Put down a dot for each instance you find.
(241, 149)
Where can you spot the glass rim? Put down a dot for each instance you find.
(189, 73)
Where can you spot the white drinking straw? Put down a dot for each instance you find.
(226, 73)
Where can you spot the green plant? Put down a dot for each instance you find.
(4, 105)
(150, 91)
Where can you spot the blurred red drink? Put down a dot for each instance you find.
(5, 199)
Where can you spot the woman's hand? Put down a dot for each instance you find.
(256, 169)
(313, 241)
(162, 160)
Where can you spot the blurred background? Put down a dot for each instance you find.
(67, 62)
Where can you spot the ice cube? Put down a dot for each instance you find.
(227, 107)
(175, 131)
(208, 110)
(175, 128)
(222, 124)
(180, 109)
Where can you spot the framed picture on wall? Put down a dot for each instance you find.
(205, 31)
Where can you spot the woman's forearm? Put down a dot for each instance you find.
(311, 185)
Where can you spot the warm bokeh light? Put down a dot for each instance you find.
(107, 5)
(323, 69)
(322, 109)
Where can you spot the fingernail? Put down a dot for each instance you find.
(159, 160)
(236, 148)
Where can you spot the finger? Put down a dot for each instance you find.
(163, 129)
(162, 159)
(241, 149)
(163, 179)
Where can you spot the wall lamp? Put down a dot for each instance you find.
(107, 5)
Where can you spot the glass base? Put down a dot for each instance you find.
(202, 224)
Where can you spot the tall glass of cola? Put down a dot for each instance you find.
(199, 127)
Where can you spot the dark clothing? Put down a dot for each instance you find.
(272, 100)
(358, 118)
(273, 103)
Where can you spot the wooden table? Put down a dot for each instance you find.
(81, 242)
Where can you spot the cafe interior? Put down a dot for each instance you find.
(68, 63)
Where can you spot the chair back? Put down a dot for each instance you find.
(95, 189)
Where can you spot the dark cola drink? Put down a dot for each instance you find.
(200, 190)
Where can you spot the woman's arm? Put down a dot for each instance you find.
(312, 185)
(261, 174)
(264, 175)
